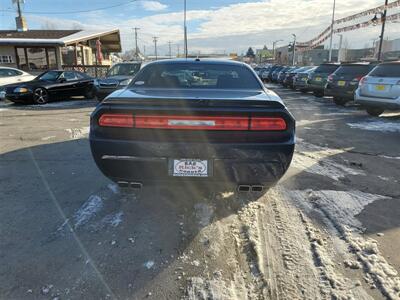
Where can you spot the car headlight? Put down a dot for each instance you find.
(21, 90)
(125, 82)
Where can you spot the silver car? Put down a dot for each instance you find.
(380, 89)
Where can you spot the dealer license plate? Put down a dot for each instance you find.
(318, 79)
(341, 83)
(380, 87)
(190, 168)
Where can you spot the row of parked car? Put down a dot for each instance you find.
(21, 87)
(375, 86)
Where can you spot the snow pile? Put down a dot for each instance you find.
(339, 209)
(377, 126)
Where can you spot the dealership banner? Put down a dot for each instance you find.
(371, 11)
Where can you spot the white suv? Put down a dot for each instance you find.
(380, 89)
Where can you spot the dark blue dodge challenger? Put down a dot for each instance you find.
(205, 121)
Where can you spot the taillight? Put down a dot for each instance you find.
(363, 80)
(330, 78)
(358, 78)
(193, 122)
(267, 123)
(116, 120)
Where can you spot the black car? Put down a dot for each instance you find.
(218, 126)
(319, 77)
(344, 81)
(118, 77)
(51, 86)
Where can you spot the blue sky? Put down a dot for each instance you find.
(213, 26)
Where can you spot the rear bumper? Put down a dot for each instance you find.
(316, 87)
(122, 160)
(345, 93)
(392, 104)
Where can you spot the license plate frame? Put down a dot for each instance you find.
(380, 87)
(318, 79)
(189, 167)
(341, 83)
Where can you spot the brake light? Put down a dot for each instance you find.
(192, 122)
(330, 78)
(358, 78)
(267, 123)
(116, 120)
(363, 80)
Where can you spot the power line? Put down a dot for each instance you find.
(71, 12)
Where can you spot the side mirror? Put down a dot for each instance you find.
(61, 80)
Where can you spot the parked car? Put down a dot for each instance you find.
(275, 74)
(264, 74)
(318, 78)
(301, 78)
(50, 86)
(342, 84)
(118, 77)
(282, 74)
(11, 75)
(273, 68)
(380, 89)
(288, 80)
(220, 128)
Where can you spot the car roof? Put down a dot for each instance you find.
(197, 60)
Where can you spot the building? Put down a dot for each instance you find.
(263, 55)
(39, 50)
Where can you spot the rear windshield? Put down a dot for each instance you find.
(326, 69)
(387, 70)
(196, 75)
(353, 70)
(124, 70)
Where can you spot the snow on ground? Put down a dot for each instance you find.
(377, 125)
(316, 159)
(78, 133)
(88, 210)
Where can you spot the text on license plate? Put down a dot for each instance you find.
(380, 87)
(318, 78)
(190, 168)
(341, 83)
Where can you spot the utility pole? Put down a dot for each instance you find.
(294, 49)
(144, 51)
(179, 52)
(274, 48)
(333, 21)
(382, 31)
(185, 30)
(136, 43)
(155, 46)
(169, 46)
(19, 8)
(340, 48)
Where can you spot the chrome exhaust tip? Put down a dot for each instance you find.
(244, 188)
(257, 188)
(136, 185)
(123, 184)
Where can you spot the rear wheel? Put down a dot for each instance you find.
(339, 101)
(40, 96)
(375, 111)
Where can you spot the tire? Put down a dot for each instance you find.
(375, 111)
(40, 96)
(318, 94)
(339, 101)
(90, 93)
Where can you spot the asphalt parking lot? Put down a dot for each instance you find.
(329, 229)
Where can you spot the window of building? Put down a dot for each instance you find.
(6, 59)
(36, 58)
